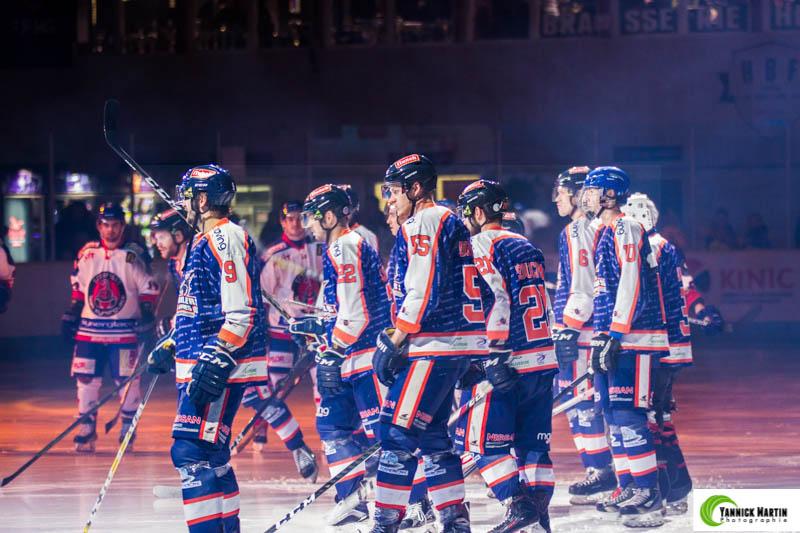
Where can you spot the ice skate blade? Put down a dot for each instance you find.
(167, 492)
(589, 499)
(648, 520)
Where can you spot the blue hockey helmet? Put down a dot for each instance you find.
(111, 211)
(210, 179)
(486, 194)
(290, 206)
(612, 180)
(409, 169)
(326, 198)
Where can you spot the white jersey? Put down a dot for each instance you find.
(111, 284)
(292, 271)
(366, 234)
(6, 267)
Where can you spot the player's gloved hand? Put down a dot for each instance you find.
(210, 373)
(303, 328)
(162, 359)
(566, 341)
(70, 321)
(604, 352)
(498, 371)
(388, 359)
(329, 371)
(712, 318)
(163, 327)
(473, 375)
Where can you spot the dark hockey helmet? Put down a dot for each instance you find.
(171, 220)
(355, 204)
(409, 169)
(323, 199)
(571, 179)
(111, 211)
(512, 222)
(486, 194)
(210, 179)
(291, 206)
(612, 181)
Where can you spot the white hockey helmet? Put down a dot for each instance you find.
(643, 209)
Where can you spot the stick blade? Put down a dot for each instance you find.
(110, 115)
(110, 424)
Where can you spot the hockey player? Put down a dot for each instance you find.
(219, 347)
(674, 478)
(521, 364)
(113, 299)
(439, 325)
(629, 339)
(355, 204)
(292, 268)
(171, 235)
(572, 310)
(355, 286)
(6, 275)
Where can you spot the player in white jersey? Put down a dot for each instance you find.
(572, 311)
(365, 232)
(291, 273)
(113, 298)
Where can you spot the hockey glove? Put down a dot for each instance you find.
(162, 359)
(210, 373)
(302, 328)
(473, 375)
(713, 322)
(70, 321)
(329, 371)
(604, 352)
(498, 371)
(388, 359)
(566, 341)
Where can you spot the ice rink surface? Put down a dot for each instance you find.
(738, 424)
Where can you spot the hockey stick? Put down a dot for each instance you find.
(369, 452)
(82, 418)
(113, 422)
(120, 452)
(569, 404)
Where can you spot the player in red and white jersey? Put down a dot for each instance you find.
(113, 299)
(572, 309)
(291, 272)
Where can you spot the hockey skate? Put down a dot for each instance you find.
(86, 437)
(259, 435)
(520, 512)
(677, 507)
(418, 515)
(598, 484)
(350, 509)
(306, 463)
(610, 506)
(386, 520)
(455, 519)
(643, 509)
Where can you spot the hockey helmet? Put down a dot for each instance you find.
(571, 179)
(609, 179)
(512, 222)
(210, 179)
(643, 209)
(111, 211)
(171, 220)
(409, 169)
(486, 194)
(323, 199)
(355, 204)
(291, 206)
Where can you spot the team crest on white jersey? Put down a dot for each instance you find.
(106, 294)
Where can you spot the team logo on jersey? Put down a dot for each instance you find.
(106, 294)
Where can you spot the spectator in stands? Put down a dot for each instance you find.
(720, 234)
(756, 233)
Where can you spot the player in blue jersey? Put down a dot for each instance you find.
(219, 347)
(520, 365)
(572, 309)
(351, 396)
(630, 337)
(674, 476)
(439, 325)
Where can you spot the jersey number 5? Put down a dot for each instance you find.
(420, 245)
(472, 312)
(533, 298)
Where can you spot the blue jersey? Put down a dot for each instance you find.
(517, 302)
(573, 303)
(220, 297)
(627, 297)
(436, 287)
(671, 271)
(355, 285)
